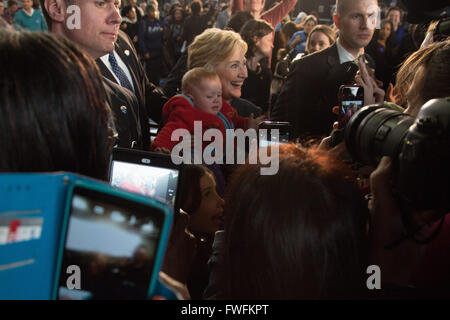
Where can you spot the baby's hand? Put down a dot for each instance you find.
(254, 122)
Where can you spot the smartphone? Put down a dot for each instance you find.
(112, 244)
(267, 136)
(147, 173)
(351, 99)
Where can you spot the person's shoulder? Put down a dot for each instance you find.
(122, 37)
(182, 100)
(178, 107)
(316, 59)
(19, 14)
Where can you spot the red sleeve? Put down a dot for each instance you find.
(275, 14)
(238, 5)
(231, 114)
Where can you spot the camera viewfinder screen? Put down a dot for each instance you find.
(157, 182)
(112, 241)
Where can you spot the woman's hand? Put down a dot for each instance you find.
(391, 94)
(253, 122)
(372, 93)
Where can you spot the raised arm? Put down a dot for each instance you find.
(275, 14)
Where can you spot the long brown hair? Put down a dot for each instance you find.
(435, 59)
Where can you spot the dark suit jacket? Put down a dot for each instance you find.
(310, 92)
(150, 98)
(124, 105)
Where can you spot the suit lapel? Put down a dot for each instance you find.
(105, 71)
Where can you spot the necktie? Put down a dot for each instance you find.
(124, 82)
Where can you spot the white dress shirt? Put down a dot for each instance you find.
(344, 55)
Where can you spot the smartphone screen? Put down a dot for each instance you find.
(351, 100)
(267, 137)
(156, 182)
(113, 243)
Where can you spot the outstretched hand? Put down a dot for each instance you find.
(372, 92)
(253, 122)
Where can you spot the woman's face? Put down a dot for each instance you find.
(208, 217)
(265, 44)
(307, 27)
(318, 41)
(232, 73)
(385, 31)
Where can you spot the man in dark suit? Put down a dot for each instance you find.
(311, 90)
(98, 35)
(150, 98)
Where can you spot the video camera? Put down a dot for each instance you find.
(419, 147)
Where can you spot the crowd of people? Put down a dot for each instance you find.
(134, 72)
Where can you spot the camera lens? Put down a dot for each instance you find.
(376, 131)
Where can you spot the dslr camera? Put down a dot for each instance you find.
(419, 147)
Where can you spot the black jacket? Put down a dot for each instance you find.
(150, 98)
(124, 106)
(311, 91)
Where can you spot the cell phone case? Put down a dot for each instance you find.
(165, 209)
(31, 215)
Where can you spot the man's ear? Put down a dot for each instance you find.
(56, 9)
(336, 20)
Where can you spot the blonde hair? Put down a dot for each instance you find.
(194, 76)
(214, 46)
(310, 18)
(326, 30)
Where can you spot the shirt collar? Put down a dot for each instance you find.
(29, 14)
(344, 55)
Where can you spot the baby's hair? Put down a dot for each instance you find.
(194, 76)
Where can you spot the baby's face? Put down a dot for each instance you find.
(207, 96)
